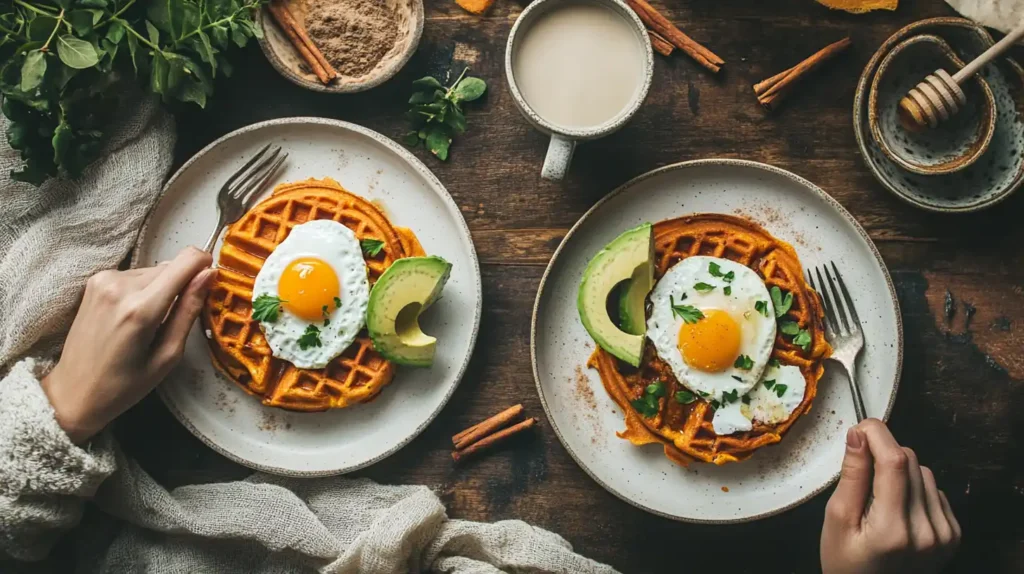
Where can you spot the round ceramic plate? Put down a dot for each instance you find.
(777, 477)
(368, 164)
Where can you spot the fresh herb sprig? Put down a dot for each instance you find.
(266, 307)
(647, 405)
(371, 246)
(436, 114)
(61, 60)
(310, 338)
(688, 313)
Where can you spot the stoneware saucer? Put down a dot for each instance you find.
(287, 61)
(777, 477)
(997, 173)
(954, 144)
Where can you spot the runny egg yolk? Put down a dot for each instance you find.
(307, 286)
(712, 343)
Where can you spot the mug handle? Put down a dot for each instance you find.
(558, 158)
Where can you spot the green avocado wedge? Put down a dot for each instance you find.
(404, 291)
(629, 257)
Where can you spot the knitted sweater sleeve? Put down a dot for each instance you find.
(44, 477)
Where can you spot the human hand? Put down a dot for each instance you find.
(128, 334)
(886, 515)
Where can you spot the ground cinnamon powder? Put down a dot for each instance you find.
(354, 35)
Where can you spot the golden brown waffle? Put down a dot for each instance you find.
(686, 430)
(237, 344)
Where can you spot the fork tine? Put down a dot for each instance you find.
(245, 167)
(254, 191)
(846, 295)
(241, 187)
(840, 308)
(830, 310)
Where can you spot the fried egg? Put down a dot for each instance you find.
(771, 401)
(319, 274)
(713, 323)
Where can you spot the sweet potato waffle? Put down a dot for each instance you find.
(686, 431)
(237, 344)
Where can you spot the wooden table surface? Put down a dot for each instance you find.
(961, 386)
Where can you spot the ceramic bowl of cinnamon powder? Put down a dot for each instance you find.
(366, 41)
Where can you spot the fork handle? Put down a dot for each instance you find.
(213, 237)
(858, 399)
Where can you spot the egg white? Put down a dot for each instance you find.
(336, 245)
(757, 330)
(766, 406)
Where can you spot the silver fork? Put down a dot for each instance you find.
(842, 328)
(236, 195)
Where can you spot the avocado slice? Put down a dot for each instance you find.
(629, 257)
(404, 291)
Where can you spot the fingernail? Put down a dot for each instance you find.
(854, 439)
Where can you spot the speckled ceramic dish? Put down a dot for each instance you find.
(953, 145)
(235, 424)
(777, 477)
(997, 173)
(287, 61)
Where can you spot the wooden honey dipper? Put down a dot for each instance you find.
(939, 96)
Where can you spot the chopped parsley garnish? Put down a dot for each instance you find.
(687, 313)
(773, 362)
(715, 404)
(727, 290)
(266, 307)
(310, 338)
(803, 339)
(761, 307)
(746, 399)
(647, 405)
(744, 362)
(371, 247)
(780, 390)
(781, 301)
(740, 379)
(703, 394)
(728, 398)
(769, 384)
(703, 287)
(789, 327)
(685, 397)
(337, 302)
(327, 316)
(716, 271)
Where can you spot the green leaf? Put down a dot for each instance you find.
(158, 74)
(782, 302)
(76, 53)
(702, 287)
(768, 384)
(41, 27)
(427, 83)
(438, 141)
(803, 339)
(773, 362)
(219, 36)
(266, 307)
(133, 47)
(238, 34)
(685, 397)
(93, 3)
(411, 139)
(310, 338)
(32, 71)
(206, 53)
(456, 120)
(470, 89)
(727, 290)
(746, 399)
(744, 362)
(82, 21)
(761, 307)
(61, 142)
(153, 33)
(687, 313)
(115, 31)
(656, 388)
(421, 98)
(780, 390)
(789, 327)
(371, 246)
(730, 397)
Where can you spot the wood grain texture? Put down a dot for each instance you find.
(958, 405)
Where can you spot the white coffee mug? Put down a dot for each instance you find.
(564, 139)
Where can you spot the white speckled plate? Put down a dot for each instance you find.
(316, 444)
(777, 477)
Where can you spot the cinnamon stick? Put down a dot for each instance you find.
(772, 90)
(660, 44)
(323, 69)
(493, 439)
(480, 430)
(675, 36)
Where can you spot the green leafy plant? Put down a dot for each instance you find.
(436, 114)
(60, 62)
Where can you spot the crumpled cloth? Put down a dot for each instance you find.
(1003, 15)
(51, 240)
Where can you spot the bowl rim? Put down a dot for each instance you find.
(858, 104)
(964, 160)
(380, 76)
